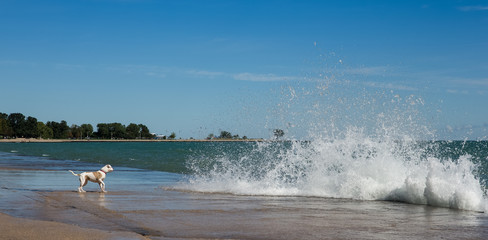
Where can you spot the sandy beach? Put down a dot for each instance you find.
(21, 228)
(40, 203)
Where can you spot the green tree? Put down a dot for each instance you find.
(111, 131)
(278, 133)
(17, 123)
(118, 130)
(87, 130)
(76, 131)
(103, 131)
(5, 129)
(44, 131)
(172, 136)
(30, 127)
(64, 130)
(225, 135)
(145, 132)
(133, 131)
(60, 130)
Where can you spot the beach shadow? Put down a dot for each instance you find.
(96, 204)
(19, 189)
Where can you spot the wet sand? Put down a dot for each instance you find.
(145, 205)
(21, 228)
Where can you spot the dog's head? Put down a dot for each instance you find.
(107, 168)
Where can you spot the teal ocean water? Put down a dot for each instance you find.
(446, 174)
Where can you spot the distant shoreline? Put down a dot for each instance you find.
(37, 140)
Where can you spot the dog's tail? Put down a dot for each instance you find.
(74, 173)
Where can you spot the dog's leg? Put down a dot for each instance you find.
(102, 186)
(83, 183)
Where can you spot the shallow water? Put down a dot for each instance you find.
(147, 203)
(354, 166)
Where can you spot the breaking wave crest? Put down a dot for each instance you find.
(355, 167)
(360, 144)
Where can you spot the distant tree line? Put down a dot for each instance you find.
(225, 135)
(16, 125)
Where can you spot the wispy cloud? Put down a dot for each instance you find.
(65, 66)
(473, 82)
(467, 86)
(375, 70)
(385, 77)
(467, 127)
(162, 72)
(156, 74)
(391, 86)
(263, 77)
(455, 91)
(203, 73)
(473, 8)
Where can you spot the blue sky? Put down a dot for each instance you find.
(198, 67)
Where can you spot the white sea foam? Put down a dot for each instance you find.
(356, 167)
(361, 145)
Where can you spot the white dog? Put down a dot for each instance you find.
(96, 177)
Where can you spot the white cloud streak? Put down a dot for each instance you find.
(263, 77)
(473, 8)
(376, 70)
(162, 72)
(203, 73)
(390, 86)
(473, 82)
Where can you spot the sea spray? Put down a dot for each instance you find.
(452, 184)
(355, 167)
(359, 143)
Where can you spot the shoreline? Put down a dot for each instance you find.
(37, 140)
(37, 203)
